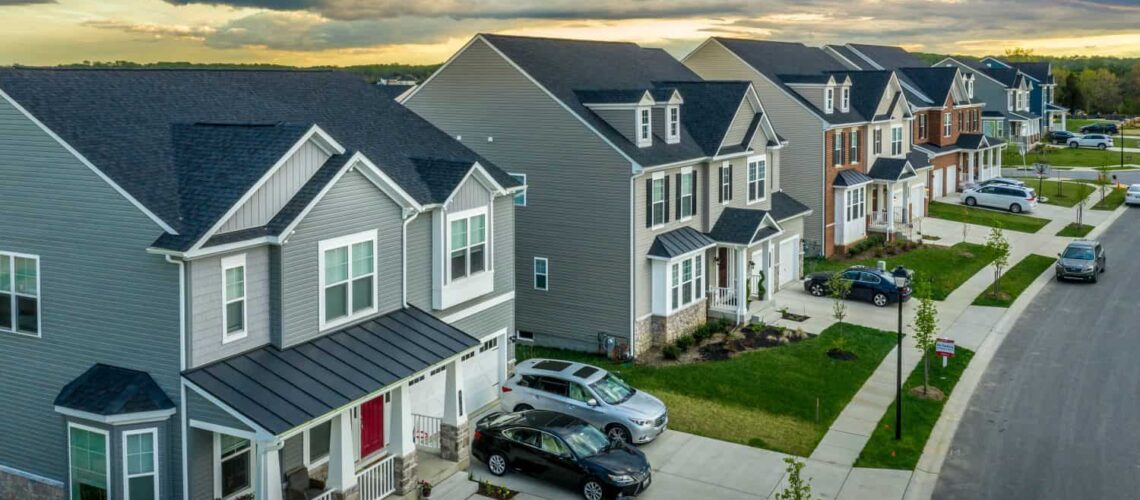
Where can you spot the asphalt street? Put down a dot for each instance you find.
(1057, 412)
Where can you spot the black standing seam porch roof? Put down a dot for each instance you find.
(281, 389)
(679, 242)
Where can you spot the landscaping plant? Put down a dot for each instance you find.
(798, 488)
(925, 327)
(839, 289)
(997, 244)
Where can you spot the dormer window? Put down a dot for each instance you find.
(970, 88)
(673, 127)
(845, 99)
(829, 100)
(644, 127)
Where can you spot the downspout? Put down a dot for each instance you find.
(632, 272)
(182, 367)
(409, 216)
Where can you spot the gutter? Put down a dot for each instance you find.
(181, 368)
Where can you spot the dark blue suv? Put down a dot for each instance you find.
(867, 283)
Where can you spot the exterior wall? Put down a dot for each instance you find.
(201, 467)
(103, 298)
(831, 172)
(471, 194)
(989, 91)
(279, 189)
(205, 330)
(200, 409)
(578, 192)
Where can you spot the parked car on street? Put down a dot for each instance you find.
(1099, 141)
(586, 392)
(867, 283)
(1012, 198)
(1082, 259)
(562, 449)
(1132, 196)
(1061, 137)
(1100, 128)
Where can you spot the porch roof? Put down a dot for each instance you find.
(110, 390)
(679, 242)
(281, 389)
(851, 178)
(742, 226)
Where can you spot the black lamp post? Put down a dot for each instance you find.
(900, 285)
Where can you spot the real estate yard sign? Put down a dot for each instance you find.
(945, 349)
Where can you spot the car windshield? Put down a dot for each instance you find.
(586, 441)
(1134, 189)
(612, 389)
(1079, 253)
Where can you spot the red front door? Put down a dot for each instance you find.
(371, 426)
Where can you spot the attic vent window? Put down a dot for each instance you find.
(644, 127)
(829, 100)
(845, 99)
(674, 127)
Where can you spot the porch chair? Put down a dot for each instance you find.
(300, 486)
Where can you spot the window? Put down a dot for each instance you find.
(468, 246)
(878, 141)
(234, 468)
(845, 99)
(233, 296)
(896, 140)
(970, 88)
(757, 178)
(674, 132)
(348, 278)
(541, 273)
(854, 155)
(726, 182)
(88, 466)
(140, 465)
(553, 445)
(1009, 100)
(657, 202)
(828, 100)
(520, 197)
(685, 195)
(922, 126)
(644, 127)
(947, 125)
(837, 148)
(20, 293)
(687, 285)
(855, 204)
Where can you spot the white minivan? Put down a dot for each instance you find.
(1013, 198)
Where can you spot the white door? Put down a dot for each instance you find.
(938, 186)
(481, 374)
(788, 259)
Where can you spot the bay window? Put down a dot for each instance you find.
(233, 466)
(20, 293)
(140, 465)
(233, 294)
(348, 278)
(468, 245)
(686, 282)
(855, 204)
(757, 178)
(89, 468)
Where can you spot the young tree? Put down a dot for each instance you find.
(798, 488)
(997, 244)
(925, 330)
(839, 288)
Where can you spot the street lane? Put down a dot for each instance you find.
(1057, 412)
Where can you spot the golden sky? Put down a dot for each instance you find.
(343, 32)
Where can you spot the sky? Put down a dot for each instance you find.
(348, 32)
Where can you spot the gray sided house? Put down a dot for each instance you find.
(240, 284)
(1007, 92)
(1043, 95)
(653, 197)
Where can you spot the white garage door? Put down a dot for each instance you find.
(788, 260)
(938, 185)
(481, 374)
(917, 201)
(951, 178)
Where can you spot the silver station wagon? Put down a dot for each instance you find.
(589, 393)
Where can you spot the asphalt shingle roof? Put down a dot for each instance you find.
(1040, 71)
(709, 109)
(785, 207)
(678, 242)
(935, 82)
(737, 225)
(867, 88)
(894, 169)
(889, 57)
(111, 390)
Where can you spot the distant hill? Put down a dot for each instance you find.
(370, 72)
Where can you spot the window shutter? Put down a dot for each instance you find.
(649, 202)
(678, 208)
(730, 181)
(695, 192)
(720, 185)
(666, 197)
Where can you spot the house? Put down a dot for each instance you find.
(654, 198)
(219, 282)
(849, 155)
(1006, 92)
(947, 124)
(1043, 94)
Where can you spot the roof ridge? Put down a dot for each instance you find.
(556, 39)
(187, 70)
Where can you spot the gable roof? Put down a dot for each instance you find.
(710, 107)
(678, 242)
(743, 226)
(110, 390)
(867, 89)
(851, 178)
(895, 169)
(1040, 71)
(123, 121)
(887, 56)
(935, 82)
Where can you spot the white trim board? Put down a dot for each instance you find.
(478, 308)
(124, 419)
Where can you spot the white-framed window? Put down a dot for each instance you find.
(347, 278)
(845, 99)
(970, 89)
(726, 182)
(877, 142)
(467, 243)
(837, 148)
(757, 178)
(1009, 100)
(140, 464)
(947, 124)
(316, 444)
(854, 158)
(233, 298)
(855, 204)
(922, 126)
(233, 466)
(520, 197)
(644, 127)
(828, 100)
(541, 273)
(685, 196)
(657, 201)
(89, 462)
(896, 140)
(674, 126)
(686, 282)
(20, 293)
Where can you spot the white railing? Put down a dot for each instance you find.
(754, 280)
(878, 217)
(723, 299)
(378, 480)
(328, 495)
(425, 431)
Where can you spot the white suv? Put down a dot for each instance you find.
(1091, 141)
(1132, 197)
(1012, 198)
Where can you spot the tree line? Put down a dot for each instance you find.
(371, 72)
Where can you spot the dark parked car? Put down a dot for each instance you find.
(1060, 137)
(562, 449)
(1082, 259)
(1099, 128)
(867, 283)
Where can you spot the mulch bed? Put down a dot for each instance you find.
(750, 338)
(486, 489)
(932, 393)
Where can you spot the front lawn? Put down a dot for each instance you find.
(1113, 198)
(1069, 157)
(764, 398)
(1065, 194)
(945, 268)
(1074, 230)
(986, 217)
(918, 418)
(1014, 281)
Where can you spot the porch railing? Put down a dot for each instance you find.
(328, 495)
(425, 430)
(724, 299)
(878, 217)
(378, 480)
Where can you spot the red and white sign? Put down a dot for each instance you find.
(944, 348)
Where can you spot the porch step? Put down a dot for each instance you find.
(455, 487)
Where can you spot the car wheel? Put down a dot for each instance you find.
(816, 289)
(618, 431)
(1015, 208)
(1073, 144)
(970, 201)
(880, 299)
(523, 407)
(497, 464)
(1095, 277)
(1102, 146)
(593, 490)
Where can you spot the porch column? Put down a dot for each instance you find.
(402, 444)
(342, 466)
(769, 280)
(269, 475)
(970, 167)
(453, 430)
(741, 284)
(1063, 115)
(998, 155)
(890, 197)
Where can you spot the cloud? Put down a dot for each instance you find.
(23, 2)
(153, 30)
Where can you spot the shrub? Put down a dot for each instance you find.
(684, 342)
(703, 332)
(671, 351)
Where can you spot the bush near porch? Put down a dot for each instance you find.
(985, 217)
(945, 268)
(765, 398)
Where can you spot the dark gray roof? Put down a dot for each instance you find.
(884, 57)
(785, 207)
(937, 150)
(111, 390)
(888, 57)
(850, 177)
(867, 89)
(1040, 71)
(124, 122)
(393, 91)
(1009, 77)
(894, 169)
(709, 109)
(850, 57)
(935, 81)
(280, 389)
(622, 96)
(678, 242)
(739, 226)
(970, 141)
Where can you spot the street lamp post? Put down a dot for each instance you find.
(900, 285)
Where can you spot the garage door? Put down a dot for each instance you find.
(938, 185)
(481, 374)
(952, 179)
(917, 201)
(788, 259)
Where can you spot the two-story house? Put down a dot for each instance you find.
(216, 284)
(947, 124)
(654, 198)
(849, 155)
(1006, 94)
(1044, 91)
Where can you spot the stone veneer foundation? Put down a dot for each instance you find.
(453, 444)
(406, 474)
(661, 330)
(14, 486)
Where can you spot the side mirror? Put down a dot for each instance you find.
(592, 402)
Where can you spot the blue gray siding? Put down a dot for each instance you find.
(200, 409)
(206, 305)
(279, 189)
(471, 194)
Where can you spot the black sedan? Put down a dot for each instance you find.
(1100, 128)
(562, 449)
(1060, 137)
(867, 283)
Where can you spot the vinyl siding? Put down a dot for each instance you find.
(471, 194)
(489, 321)
(201, 409)
(644, 236)
(353, 205)
(103, 297)
(201, 466)
(739, 126)
(577, 212)
(279, 189)
(207, 303)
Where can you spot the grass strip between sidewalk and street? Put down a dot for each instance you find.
(1113, 198)
(1074, 230)
(945, 268)
(1063, 194)
(986, 217)
(1014, 281)
(918, 418)
(765, 398)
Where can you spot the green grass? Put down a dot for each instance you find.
(986, 217)
(1015, 280)
(1075, 124)
(918, 419)
(1065, 194)
(765, 398)
(1114, 198)
(1069, 157)
(944, 268)
(1073, 230)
